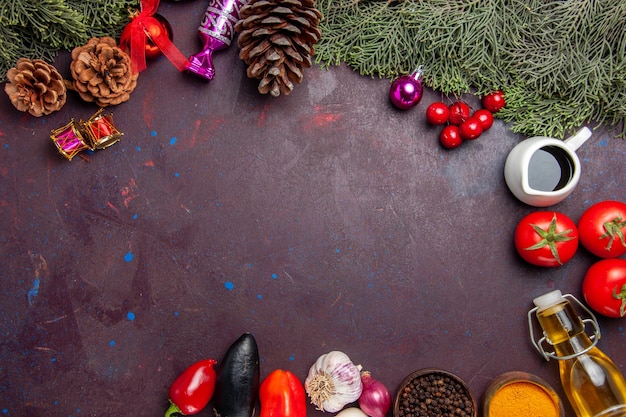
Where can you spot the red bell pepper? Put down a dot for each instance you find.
(193, 389)
(282, 395)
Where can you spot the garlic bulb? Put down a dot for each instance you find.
(333, 382)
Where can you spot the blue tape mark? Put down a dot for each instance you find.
(33, 292)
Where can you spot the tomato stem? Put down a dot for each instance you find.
(613, 230)
(621, 296)
(550, 238)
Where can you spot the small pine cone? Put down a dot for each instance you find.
(36, 87)
(102, 72)
(276, 39)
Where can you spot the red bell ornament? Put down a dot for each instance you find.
(154, 29)
(406, 90)
(148, 35)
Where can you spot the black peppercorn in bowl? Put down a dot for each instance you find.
(434, 392)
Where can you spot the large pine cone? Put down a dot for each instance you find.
(36, 87)
(276, 38)
(102, 72)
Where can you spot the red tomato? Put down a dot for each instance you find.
(450, 137)
(546, 238)
(602, 229)
(494, 102)
(485, 117)
(459, 112)
(604, 287)
(437, 113)
(471, 129)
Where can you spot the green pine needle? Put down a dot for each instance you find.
(40, 28)
(562, 64)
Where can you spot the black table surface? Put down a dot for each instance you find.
(323, 220)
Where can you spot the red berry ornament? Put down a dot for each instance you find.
(471, 129)
(459, 112)
(437, 113)
(450, 137)
(494, 102)
(485, 117)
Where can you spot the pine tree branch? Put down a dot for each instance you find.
(40, 28)
(560, 63)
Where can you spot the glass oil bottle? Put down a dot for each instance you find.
(592, 382)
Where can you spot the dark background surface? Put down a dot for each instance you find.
(324, 220)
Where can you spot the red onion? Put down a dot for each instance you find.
(375, 399)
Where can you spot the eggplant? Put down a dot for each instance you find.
(238, 379)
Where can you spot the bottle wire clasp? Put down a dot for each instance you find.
(539, 344)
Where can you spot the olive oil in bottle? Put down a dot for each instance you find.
(592, 382)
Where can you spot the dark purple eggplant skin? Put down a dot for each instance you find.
(238, 379)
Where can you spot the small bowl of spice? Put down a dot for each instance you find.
(434, 392)
(520, 394)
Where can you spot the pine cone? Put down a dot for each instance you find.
(276, 38)
(102, 72)
(36, 87)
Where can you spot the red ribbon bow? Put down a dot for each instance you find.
(135, 35)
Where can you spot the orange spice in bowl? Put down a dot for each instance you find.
(519, 394)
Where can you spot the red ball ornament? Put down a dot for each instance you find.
(485, 117)
(494, 101)
(437, 113)
(154, 30)
(459, 112)
(406, 91)
(450, 137)
(471, 129)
